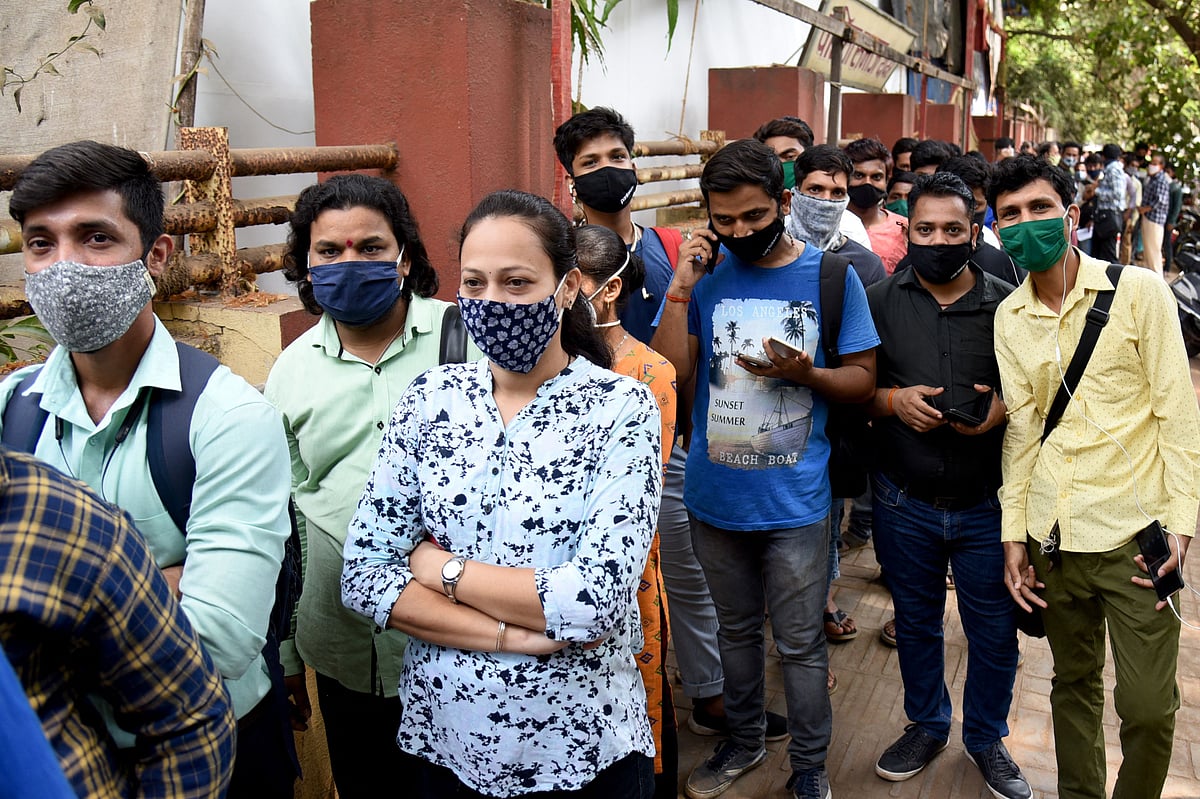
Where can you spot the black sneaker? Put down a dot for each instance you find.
(908, 755)
(702, 722)
(1004, 779)
(811, 784)
(728, 762)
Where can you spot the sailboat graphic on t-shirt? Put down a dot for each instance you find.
(781, 431)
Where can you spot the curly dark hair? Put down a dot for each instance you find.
(1013, 174)
(342, 192)
(861, 150)
(556, 234)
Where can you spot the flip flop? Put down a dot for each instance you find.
(831, 683)
(839, 627)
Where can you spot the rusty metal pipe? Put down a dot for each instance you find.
(201, 216)
(641, 202)
(674, 147)
(199, 164)
(657, 173)
(291, 160)
(205, 268)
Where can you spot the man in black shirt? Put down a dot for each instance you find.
(938, 431)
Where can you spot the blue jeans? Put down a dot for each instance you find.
(913, 541)
(693, 617)
(783, 571)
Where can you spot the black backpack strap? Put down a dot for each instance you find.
(833, 296)
(168, 445)
(453, 346)
(1097, 318)
(24, 417)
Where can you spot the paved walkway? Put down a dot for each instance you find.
(868, 711)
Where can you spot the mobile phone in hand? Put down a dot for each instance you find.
(1152, 541)
(710, 263)
(784, 349)
(755, 360)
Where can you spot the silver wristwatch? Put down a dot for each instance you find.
(452, 572)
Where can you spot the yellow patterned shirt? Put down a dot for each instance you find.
(1131, 434)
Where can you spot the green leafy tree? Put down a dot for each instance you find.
(1121, 70)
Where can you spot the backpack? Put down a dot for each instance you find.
(172, 464)
(453, 345)
(847, 426)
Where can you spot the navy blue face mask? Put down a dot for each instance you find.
(357, 293)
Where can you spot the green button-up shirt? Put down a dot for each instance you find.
(238, 523)
(335, 407)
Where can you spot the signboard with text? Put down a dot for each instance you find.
(861, 68)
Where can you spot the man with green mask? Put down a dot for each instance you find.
(1123, 454)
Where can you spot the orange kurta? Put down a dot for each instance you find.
(636, 360)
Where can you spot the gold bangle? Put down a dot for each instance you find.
(500, 636)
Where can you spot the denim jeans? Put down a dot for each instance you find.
(913, 541)
(693, 617)
(783, 571)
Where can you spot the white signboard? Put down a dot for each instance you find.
(860, 68)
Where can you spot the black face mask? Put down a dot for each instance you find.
(865, 195)
(757, 245)
(608, 189)
(939, 263)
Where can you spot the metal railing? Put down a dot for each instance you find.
(209, 215)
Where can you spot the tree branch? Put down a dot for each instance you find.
(1173, 17)
(1058, 37)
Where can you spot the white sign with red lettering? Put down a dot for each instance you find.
(860, 68)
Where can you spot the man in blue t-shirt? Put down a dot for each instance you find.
(757, 486)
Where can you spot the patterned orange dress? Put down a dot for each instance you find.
(634, 359)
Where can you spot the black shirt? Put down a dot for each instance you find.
(924, 344)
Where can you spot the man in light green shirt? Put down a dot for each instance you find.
(357, 259)
(91, 219)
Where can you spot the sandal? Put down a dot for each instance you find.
(831, 683)
(839, 627)
(888, 633)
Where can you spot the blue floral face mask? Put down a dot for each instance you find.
(512, 335)
(357, 293)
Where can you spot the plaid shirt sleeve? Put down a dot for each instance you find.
(1158, 198)
(105, 623)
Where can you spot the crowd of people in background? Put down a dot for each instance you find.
(620, 438)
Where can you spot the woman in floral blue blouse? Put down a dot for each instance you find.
(505, 527)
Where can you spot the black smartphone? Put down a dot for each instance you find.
(1152, 541)
(973, 414)
(711, 262)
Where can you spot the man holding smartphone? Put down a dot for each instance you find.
(1123, 456)
(938, 432)
(757, 487)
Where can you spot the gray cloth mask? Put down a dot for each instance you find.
(816, 221)
(86, 307)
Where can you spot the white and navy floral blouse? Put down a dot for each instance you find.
(570, 488)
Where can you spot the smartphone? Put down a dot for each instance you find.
(784, 349)
(755, 360)
(711, 262)
(974, 413)
(1152, 541)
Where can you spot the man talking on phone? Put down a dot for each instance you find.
(757, 480)
(1122, 457)
(938, 428)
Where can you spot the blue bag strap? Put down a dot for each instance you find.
(24, 417)
(168, 448)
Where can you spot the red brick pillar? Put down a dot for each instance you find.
(462, 85)
(742, 98)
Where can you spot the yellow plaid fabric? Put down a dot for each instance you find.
(1126, 449)
(84, 612)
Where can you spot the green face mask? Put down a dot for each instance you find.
(1036, 245)
(789, 174)
(898, 207)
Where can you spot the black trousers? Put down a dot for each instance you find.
(266, 766)
(631, 777)
(361, 732)
(1105, 228)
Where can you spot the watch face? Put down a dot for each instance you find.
(452, 569)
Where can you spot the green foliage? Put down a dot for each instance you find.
(1121, 71)
(11, 78)
(589, 17)
(24, 337)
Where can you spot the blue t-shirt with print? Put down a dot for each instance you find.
(759, 458)
(641, 311)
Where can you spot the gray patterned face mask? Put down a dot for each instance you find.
(86, 307)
